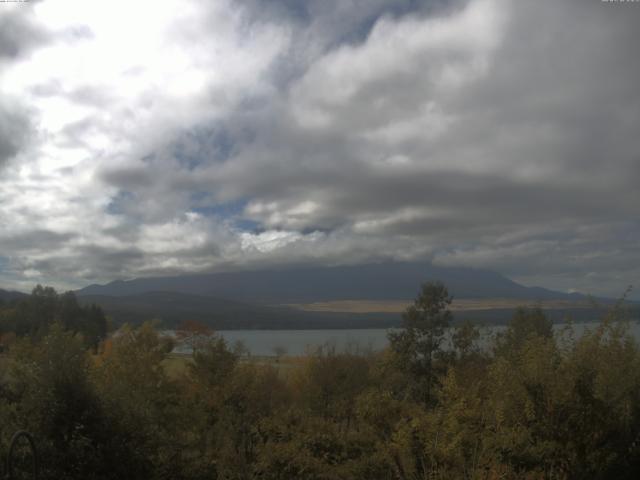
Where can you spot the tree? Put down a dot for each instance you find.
(525, 324)
(194, 335)
(418, 343)
(140, 402)
(464, 338)
(34, 315)
(329, 382)
(213, 363)
(50, 383)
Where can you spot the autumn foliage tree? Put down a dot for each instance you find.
(533, 403)
(194, 335)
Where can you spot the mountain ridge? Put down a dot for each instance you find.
(382, 281)
(10, 295)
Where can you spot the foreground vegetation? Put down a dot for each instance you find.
(531, 406)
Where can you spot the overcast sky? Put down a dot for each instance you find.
(143, 138)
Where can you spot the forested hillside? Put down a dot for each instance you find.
(32, 315)
(532, 405)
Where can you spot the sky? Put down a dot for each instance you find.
(159, 137)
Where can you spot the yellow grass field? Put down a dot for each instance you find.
(398, 306)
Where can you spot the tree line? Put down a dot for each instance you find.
(531, 404)
(33, 315)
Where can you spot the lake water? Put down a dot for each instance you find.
(299, 342)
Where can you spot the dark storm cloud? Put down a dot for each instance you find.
(15, 129)
(36, 240)
(108, 259)
(76, 264)
(19, 34)
(128, 177)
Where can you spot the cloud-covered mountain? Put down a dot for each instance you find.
(254, 299)
(210, 135)
(383, 281)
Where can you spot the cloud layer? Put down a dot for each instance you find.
(202, 136)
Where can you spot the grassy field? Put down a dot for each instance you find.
(461, 305)
(177, 364)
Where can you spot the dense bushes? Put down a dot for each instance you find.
(531, 405)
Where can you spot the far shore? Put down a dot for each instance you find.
(460, 305)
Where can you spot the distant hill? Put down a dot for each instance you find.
(172, 308)
(259, 299)
(383, 281)
(256, 299)
(9, 295)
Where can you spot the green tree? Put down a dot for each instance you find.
(329, 382)
(464, 339)
(525, 324)
(418, 344)
(53, 397)
(141, 403)
(34, 315)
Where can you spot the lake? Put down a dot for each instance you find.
(298, 342)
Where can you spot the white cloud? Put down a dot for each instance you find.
(119, 81)
(268, 241)
(136, 138)
(434, 56)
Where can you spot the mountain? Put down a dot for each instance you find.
(382, 281)
(257, 299)
(171, 309)
(9, 295)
